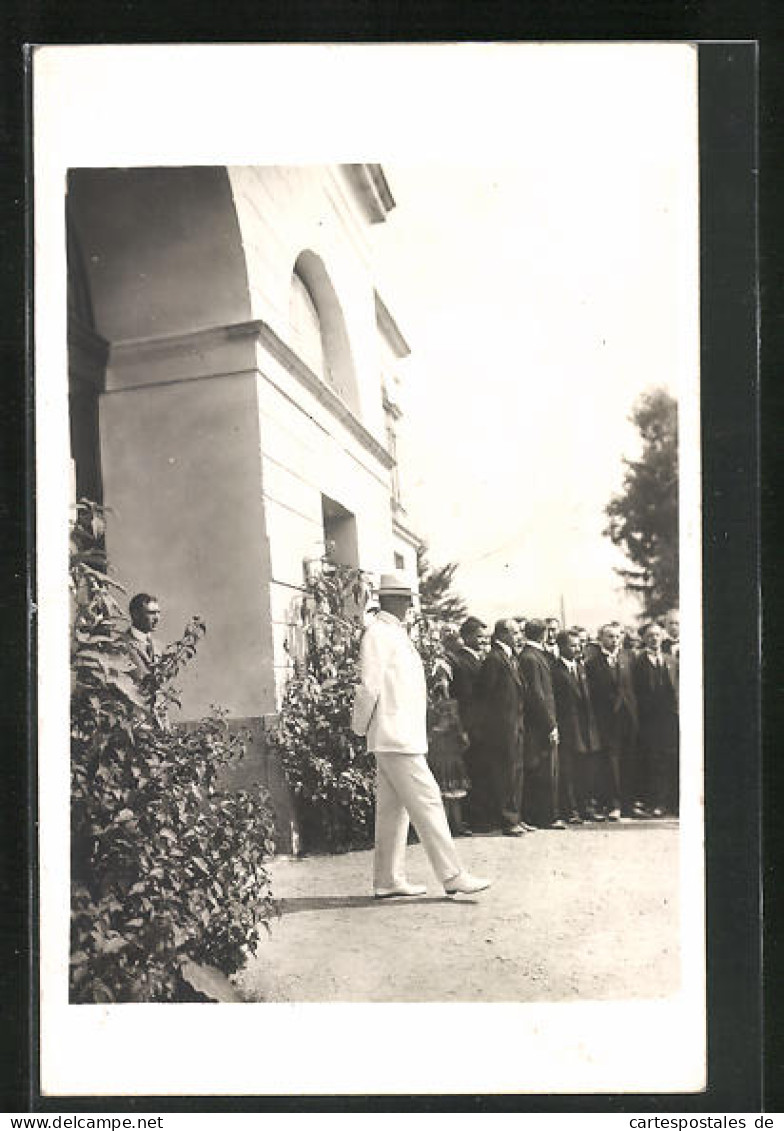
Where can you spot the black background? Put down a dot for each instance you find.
(741, 465)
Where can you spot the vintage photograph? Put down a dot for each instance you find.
(381, 491)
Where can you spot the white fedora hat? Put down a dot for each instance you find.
(394, 585)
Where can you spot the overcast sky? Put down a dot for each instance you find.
(539, 297)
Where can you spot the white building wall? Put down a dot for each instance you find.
(220, 247)
(217, 444)
(307, 451)
(283, 211)
(404, 549)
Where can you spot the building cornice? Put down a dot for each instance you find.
(389, 328)
(373, 191)
(87, 353)
(322, 392)
(220, 351)
(405, 532)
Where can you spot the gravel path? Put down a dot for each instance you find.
(589, 913)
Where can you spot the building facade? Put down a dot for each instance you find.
(233, 376)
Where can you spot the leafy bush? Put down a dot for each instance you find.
(329, 771)
(428, 635)
(328, 768)
(166, 869)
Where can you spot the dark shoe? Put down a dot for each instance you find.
(463, 830)
(513, 830)
(558, 824)
(639, 812)
(657, 812)
(575, 819)
(614, 815)
(527, 828)
(595, 815)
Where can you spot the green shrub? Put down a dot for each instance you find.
(166, 869)
(329, 771)
(328, 768)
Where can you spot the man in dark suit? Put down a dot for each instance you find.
(501, 716)
(671, 644)
(656, 688)
(609, 673)
(541, 731)
(466, 662)
(577, 733)
(552, 626)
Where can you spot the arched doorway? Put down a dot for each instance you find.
(165, 426)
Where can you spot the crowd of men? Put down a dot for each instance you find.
(561, 728)
(564, 728)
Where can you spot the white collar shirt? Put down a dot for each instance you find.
(390, 618)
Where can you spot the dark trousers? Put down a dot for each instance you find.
(479, 806)
(508, 774)
(574, 781)
(618, 778)
(541, 805)
(633, 777)
(606, 779)
(661, 763)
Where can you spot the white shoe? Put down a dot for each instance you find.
(465, 884)
(400, 889)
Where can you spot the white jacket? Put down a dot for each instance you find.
(390, 704)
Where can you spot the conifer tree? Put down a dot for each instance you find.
(438, 600)
(643, 517)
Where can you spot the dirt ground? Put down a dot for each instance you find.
(589, 913)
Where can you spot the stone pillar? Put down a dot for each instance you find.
(181, 462)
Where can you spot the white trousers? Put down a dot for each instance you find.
(406, 789)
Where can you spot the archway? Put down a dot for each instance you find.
(161, 250)
(157, 266)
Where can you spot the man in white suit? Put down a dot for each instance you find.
(390, 709)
